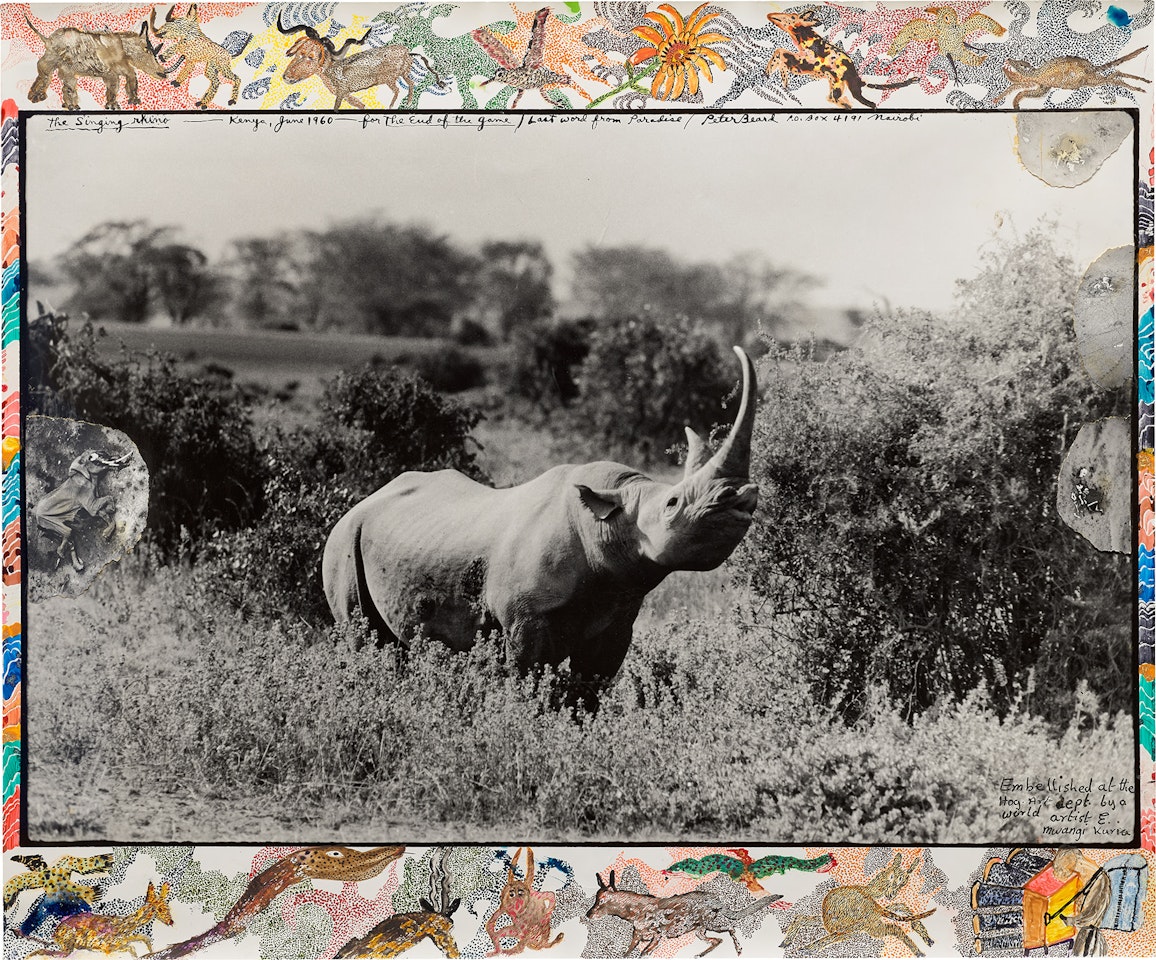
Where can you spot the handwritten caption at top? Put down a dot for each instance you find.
(278, 123)
(101, 123)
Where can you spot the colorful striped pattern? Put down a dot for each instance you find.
(868, 32)
(10, 499)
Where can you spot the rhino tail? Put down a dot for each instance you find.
(37, 32)
(365, 604)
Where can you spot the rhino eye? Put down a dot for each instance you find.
(672, 502)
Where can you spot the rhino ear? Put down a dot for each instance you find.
(601, 503)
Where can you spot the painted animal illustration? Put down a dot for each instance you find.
(1065, 73)
(523, 912)
(561, 563)
(849, 910)
(531, 72)
(62, 896)
(59, 510)
(414, 25)
(315, 56)
(109, 934)
(110, 56)
(310, 863)
(742, 868)
(819, 58)
(666, 918)
(434, 921)
(949, 35)
(185, 40)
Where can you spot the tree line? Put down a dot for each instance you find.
(378, 277)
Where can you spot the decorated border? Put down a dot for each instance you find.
(340, 901)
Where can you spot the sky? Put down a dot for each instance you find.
(882, 210)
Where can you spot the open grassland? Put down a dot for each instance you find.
(274, 359)
(155, 714)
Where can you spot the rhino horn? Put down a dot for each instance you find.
(697, 453)
(733, 458)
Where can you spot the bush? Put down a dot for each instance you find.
(546, 358)
(643, 381)
(470, 333)
(449, 369)
(381, 422)
(375, 424)
(907, 536)
(195, 434)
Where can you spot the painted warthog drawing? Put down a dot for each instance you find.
(106, 55)
(188, 43)
(343, 76)
(561, 563)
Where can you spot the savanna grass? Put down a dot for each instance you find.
(707, 733)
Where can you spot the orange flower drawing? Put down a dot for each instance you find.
(680, 49)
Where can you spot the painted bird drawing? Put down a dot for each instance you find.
(949, 35)
(531, 73)
(743, 869)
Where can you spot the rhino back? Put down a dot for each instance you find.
(427, 543)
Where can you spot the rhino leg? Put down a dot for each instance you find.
(529, 640)
(45, 67)
(596, 662)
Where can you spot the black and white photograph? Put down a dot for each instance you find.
(710, 476)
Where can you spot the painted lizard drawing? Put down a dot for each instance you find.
(310, 863)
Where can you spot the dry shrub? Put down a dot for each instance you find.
(706, 733)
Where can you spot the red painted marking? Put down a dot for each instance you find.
(12, 820)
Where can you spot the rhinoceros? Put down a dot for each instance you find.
(561, 564)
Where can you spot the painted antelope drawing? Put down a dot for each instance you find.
(434, 921)
(315, 56)
(666, 918)
(853, 909)
(109, 934)
(62, 896)
(817, 57)
(73, 53)
(186, 41)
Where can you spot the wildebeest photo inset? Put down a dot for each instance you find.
(560, 477)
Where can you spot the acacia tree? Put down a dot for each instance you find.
(183, 283)
(111, 272)
(264, 290)
(512, 286)
(122, 270)
(387, 279)
(730, 299)
(907, 537)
